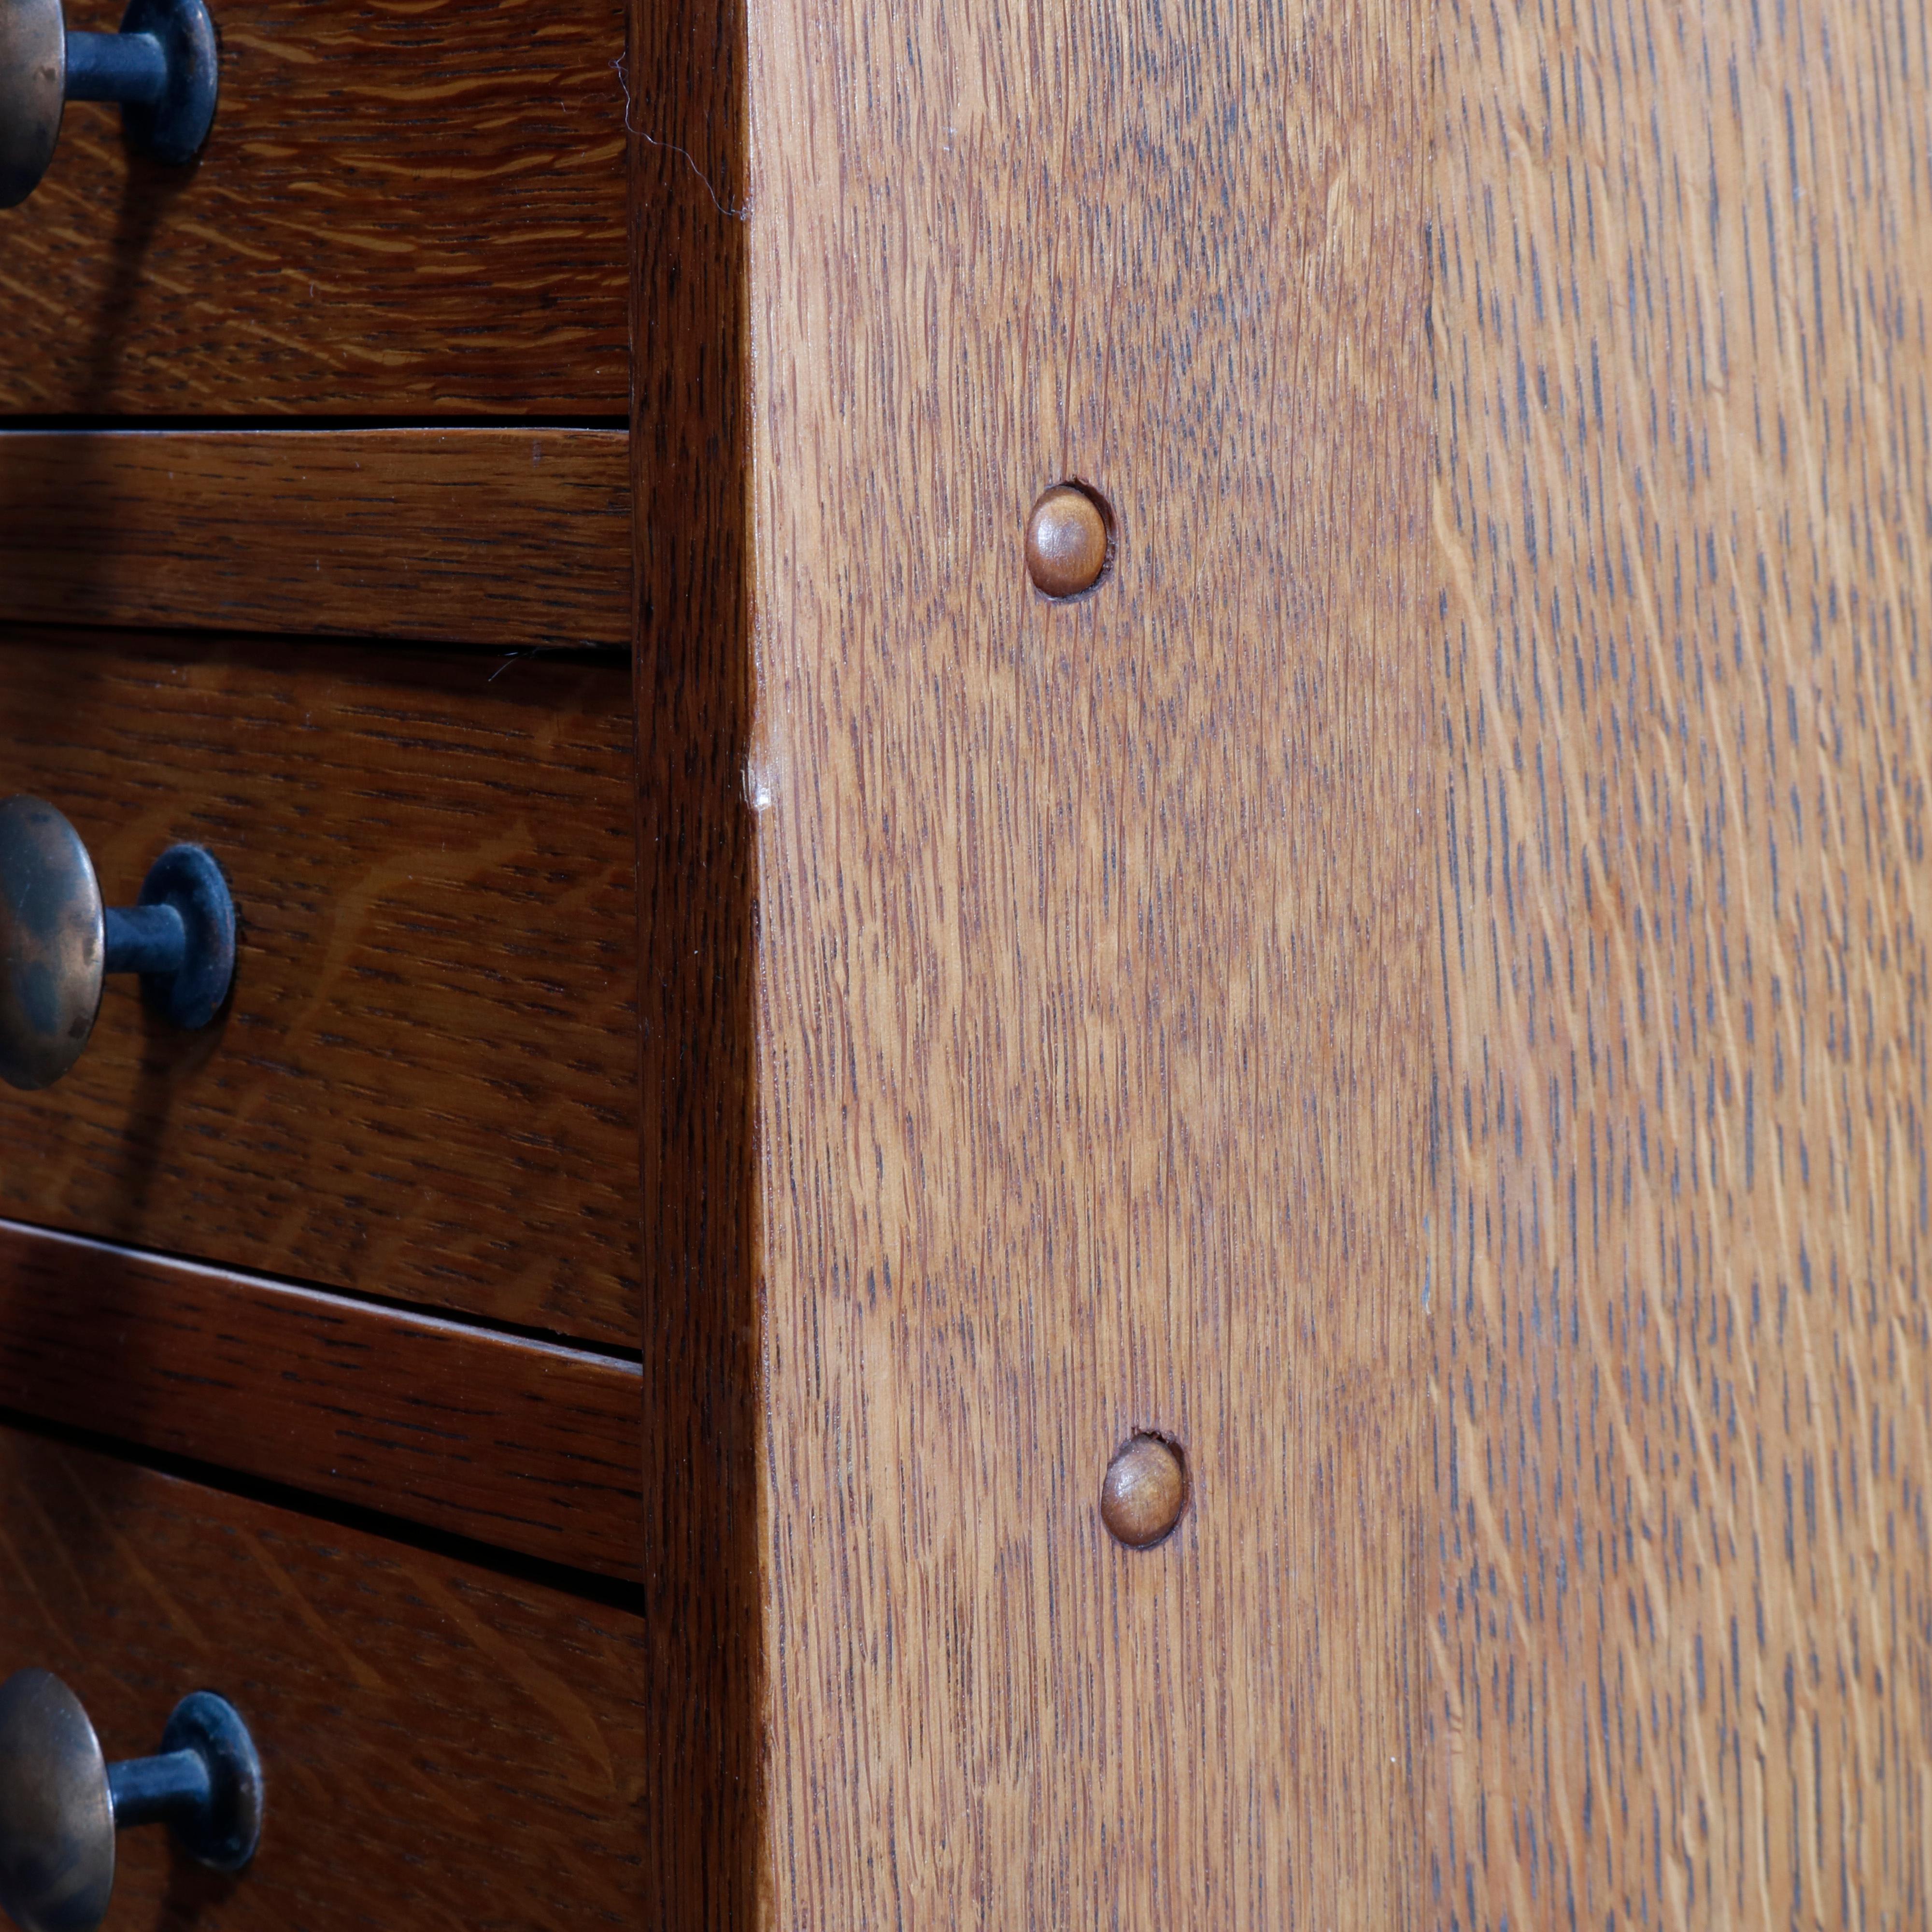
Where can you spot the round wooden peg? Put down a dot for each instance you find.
(1145, 1491)
(1067, 542)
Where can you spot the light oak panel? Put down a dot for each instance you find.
(1680, 1586)
(424, 1086)
(1092, 996)
(404, 209)
(442, 1746)
(514, 1443)
(498, 537)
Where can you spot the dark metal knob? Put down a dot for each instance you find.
(161, 66)
(57, 939)
(61, 1802)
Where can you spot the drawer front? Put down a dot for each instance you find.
(507, 537)
(411, 210)
(423, 1087)
(524, 1445)
(441, 1746)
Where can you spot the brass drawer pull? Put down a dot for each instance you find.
(161, 66)
(57, 941)
(61, 1802)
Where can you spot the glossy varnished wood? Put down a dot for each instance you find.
(424, 1086)
(515, 1443)
(500, 537)
(403, 209)
(442, 1746)
(1092, 995)
(1680, 1600)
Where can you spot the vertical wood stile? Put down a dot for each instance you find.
(1092, 968)
(703, 1815)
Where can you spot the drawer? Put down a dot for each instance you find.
(522, 1444)
(441, 1745)
(501, 536)
(424, 1087)
(402, 211)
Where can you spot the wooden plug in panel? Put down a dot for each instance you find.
(424, 1088)
(498, 537)
(1680, 1576)
(519, 1444)
(402, 210)
(441, 1746)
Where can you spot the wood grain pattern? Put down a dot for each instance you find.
(441, 1747)
(1092, 998)
(1681, 1585)
(424, 1088)
(404, 210)
(703, 1533)
(500, 537)
(514, 1443)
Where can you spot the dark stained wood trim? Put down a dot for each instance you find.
(506, 537)
(516, 1443)
(704, 1828)
(443, 1746)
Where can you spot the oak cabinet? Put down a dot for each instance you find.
(1207, 1215)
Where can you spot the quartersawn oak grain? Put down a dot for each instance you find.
(424, 1088)
(404, 210)
(442, 1746)
(502, 537)
(515, 1443)
(1680, 1572)
(1091, 996)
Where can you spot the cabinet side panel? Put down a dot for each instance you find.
(1092, 958)
(1680, 1443)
